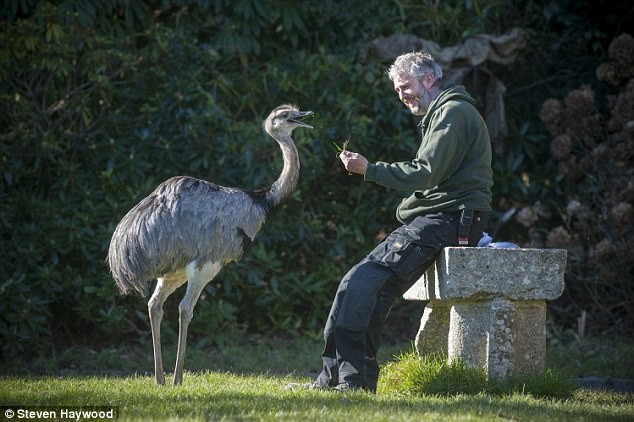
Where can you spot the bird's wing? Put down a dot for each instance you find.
(184, 220)
(201, 220)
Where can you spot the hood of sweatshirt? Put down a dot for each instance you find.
(455, 92)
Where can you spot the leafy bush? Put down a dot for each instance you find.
(95, 121)
(101, 101)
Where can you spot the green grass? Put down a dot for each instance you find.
(229, 396)
(246, 382)
(411, 375)
(606, 356)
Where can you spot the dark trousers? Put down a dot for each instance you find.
(368, 291)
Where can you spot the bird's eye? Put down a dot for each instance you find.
(285, 114)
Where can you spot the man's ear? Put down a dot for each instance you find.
(429, 80)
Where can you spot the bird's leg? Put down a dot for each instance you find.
(155, 308)
(197, 279)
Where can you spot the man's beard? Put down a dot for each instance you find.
(423, 102)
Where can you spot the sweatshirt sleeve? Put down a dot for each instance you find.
(438, 157)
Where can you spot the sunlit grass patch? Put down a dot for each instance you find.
(413, 375)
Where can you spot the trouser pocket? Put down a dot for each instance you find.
(410, 249)
(399, 253)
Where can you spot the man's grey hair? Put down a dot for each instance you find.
(417, 64)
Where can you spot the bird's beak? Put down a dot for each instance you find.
(300, 115)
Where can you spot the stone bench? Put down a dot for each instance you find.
(487, 307)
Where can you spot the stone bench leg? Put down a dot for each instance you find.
(433, 334)
(522, 326)
(502, 337)
(468, 329)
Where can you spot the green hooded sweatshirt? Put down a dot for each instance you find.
(452, 168)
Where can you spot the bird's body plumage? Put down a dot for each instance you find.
(176, 224)
(188, 229)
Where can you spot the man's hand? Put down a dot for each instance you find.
(353, 162)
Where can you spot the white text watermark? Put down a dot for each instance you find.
(70, 413)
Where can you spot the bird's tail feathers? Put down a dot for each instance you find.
(128, 286)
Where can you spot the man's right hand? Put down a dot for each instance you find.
(354, 162)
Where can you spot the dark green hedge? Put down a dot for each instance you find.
(101, 102)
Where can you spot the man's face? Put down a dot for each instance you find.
(412, 93)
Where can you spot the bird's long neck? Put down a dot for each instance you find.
(285, 184)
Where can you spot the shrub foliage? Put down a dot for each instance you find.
(101, 101)
(593, 216)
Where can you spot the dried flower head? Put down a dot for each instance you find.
(551, 114)
(527, 217)
(621, 69)
(561, 147)
(580, 103)
(536, 238)
(541, 210)
(622, 213)
(621, 50)
(608, 72)
(559, 238)
(604, 249)
(622, 110)
(570, 169)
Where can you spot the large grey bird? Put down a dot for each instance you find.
(188, 229)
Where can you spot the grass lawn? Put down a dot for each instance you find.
(246, 382)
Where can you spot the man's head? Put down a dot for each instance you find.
(416, 77)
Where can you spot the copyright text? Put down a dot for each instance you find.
(71, 413)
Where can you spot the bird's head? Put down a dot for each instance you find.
(284, 119)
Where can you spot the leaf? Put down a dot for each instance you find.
(343, 148)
